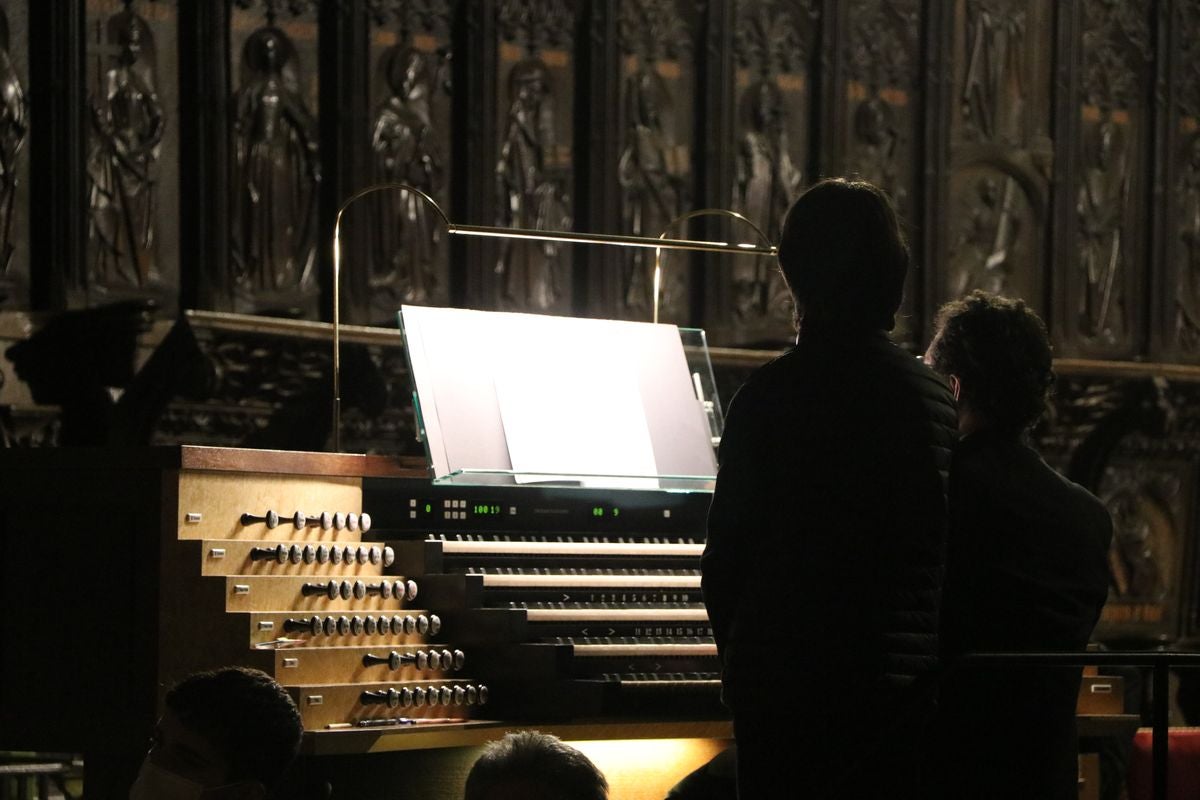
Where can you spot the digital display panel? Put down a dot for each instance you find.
(485, 509)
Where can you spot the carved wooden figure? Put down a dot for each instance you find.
(773, 46)
(533, 167)
(409, 142)
(275, 165)
(127, 126)
(406, 233)
(997, 116)
(1182, 268)
(14, 129)
(654, 168)
(1104, 286)
(994, 92)
(881, 99)
(277, 168)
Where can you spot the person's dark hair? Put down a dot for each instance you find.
(843, 255)
(248, 717)
(1000, 352)
(541, 765)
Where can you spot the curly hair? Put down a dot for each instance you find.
(537, 766)
(999, 350)
(246, 715)
(843, 255)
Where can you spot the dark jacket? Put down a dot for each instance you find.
(1026, 570)
(823, 563)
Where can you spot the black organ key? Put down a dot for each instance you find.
(270, 518)
(279, 553)
(333, 589)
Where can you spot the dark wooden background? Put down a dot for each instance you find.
(1044, 150)
(163, 155)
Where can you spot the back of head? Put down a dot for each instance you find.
(999, 350)
(248, 717)
(534, 766)
(843, 256)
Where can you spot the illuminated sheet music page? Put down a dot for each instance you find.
(571, 405)
(505, 397)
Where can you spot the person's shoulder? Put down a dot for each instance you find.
(770, 377)
(1098, 516)
(911, 367)
(1088, 509)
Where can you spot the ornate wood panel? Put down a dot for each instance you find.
(656, 113)
(877, 117)
(14, 155)
(1101, 263)
(994, 227)
(763, 82)
(406, 138)
(1152, 510)
(532, 164)
(132, 156)
(1178, 293)
(275, 164)
(774, 47)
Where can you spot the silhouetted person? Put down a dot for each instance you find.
(225, 735)
(823, 563)
(714, 780)
(1026, 565)
(528, 765)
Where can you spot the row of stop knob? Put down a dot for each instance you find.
(417, 696)
(318, 625)
(399, 589)
(324, 554)
(326, 520)
(445, 660)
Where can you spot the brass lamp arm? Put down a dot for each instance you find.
(659, 244)
(767, 249)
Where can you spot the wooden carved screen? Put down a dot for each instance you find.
(993, 227)
(1102, 260)
(879, 121)
(132, 156)
(407, 139)
(531, 165)
(1151, 501)
(758, 122)
(1177, 300)
(274, 169)
(773, 99)
(14, 156)
(656, 113)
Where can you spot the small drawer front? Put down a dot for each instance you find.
(1101, 694)
(318, 594)
(366, 560)
(223, 505)
(326, 706)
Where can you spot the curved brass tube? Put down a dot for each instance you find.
(337, 297)
(659, 244)
(701, 212)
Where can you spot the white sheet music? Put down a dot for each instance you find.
(534, 398)
(571, 407)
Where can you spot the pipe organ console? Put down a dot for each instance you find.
(574, 602)
(429, 615)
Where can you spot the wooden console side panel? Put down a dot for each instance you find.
(80, 593)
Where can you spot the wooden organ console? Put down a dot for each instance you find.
(409, 621)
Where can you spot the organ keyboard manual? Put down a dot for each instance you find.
(539, 569)
(572, 461)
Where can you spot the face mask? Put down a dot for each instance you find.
(155, 783)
